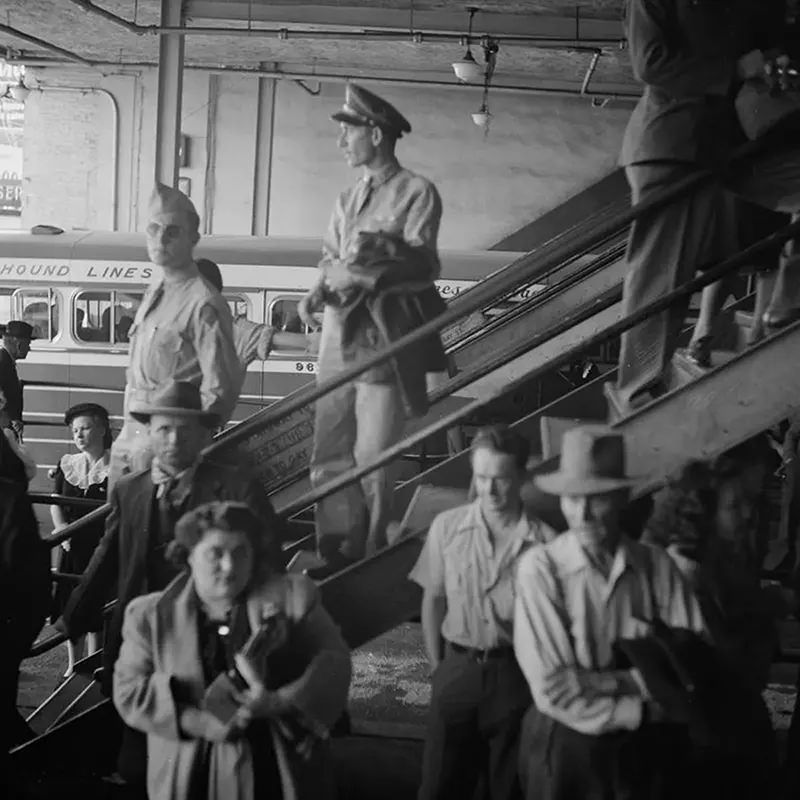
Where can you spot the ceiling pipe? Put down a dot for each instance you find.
(53, 48)
(285, 34)
(339, 78)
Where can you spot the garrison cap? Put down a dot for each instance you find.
(166, 200)
(362, 107)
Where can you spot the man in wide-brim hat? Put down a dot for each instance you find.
(145, 506)
(594, 729)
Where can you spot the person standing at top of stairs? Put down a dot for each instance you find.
(375, 283)
(182, 331)
(708, 68)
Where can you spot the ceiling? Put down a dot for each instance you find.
(542, 43)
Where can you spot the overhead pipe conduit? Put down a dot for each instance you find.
(283, 33)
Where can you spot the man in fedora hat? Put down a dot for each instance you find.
(594, 730)
(389, 206)
(15, 347)
(466, 571)
(182, 330)
(130, 559)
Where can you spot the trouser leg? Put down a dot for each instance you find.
(665, 248)
(343, 514)
(453, 755)
(711, 302)
(380, 418)
(506, 699)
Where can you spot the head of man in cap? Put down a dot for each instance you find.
(17, 339)
(369, 128)
(592, 484)
(179, 428)
(173, 229)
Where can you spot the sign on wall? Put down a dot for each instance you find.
(12, 117)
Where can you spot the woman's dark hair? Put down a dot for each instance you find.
(684, 510)
(501, 439)
(226, 516)
(96, 412)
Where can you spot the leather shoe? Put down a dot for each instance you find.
(699, 352)
(775, 320)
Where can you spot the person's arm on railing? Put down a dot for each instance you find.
(57, 511)
(85, 604)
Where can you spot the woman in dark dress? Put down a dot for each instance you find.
(81, 474)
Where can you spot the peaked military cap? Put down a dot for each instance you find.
(362, 107)
(167, 200)
(19, 329)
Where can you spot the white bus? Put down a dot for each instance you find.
(80, 291)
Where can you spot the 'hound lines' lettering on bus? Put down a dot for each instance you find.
(33, 269)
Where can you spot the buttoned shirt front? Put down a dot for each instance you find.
(568, 614)
(462, 563)
(393, 200)
(183, 332)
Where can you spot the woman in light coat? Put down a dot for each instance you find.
(235, 671)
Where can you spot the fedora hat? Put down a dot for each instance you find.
(177, 399)
(19, 329)
(592, 462)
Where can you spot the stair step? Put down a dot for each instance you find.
(685, 370)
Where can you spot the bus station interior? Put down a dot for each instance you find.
(230, 100)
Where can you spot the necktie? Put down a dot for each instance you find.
(167, 513)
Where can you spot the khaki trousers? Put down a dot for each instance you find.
(666, 247)
(352, 426)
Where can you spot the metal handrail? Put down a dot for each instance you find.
(52, 499)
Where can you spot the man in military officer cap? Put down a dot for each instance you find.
(389, 210)
(182, 330)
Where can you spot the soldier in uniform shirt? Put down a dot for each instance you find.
(358, 421)
(182, 330)
(467, 572)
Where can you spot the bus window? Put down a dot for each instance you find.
(238, 304)
(283, 315)
(33, 305)
(104, 317)
(6, 305)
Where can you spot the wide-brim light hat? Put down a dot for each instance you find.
(175, 399)
(592, 462)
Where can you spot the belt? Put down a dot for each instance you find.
(481, 656)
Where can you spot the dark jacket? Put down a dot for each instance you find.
(10, 385)
(685, 53)
(121, 559)
(24, 571)
(395, 296)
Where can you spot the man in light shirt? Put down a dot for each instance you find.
(466, 569)
(182, 331)
(594, 730)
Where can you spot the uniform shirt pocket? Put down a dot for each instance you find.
(167, 344)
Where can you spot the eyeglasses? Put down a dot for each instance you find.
(168, 231)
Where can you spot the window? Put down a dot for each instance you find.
(238, 304)
(41, 309)
(104, 317)
(283, 315)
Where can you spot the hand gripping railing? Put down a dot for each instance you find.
(525, 270)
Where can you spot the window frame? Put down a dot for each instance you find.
(298, 296)
(112, 300)
(18, 313)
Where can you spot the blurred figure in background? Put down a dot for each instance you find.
(12, 437)
(81, 474)
(253, 341)
(15, 347)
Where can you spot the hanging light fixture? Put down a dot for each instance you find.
(468, 70)
(482, 117)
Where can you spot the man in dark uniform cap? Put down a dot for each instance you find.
(16, 345)
(358, 421)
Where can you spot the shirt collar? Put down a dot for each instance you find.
(575, 559)
(528, 528)
(385, 173)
